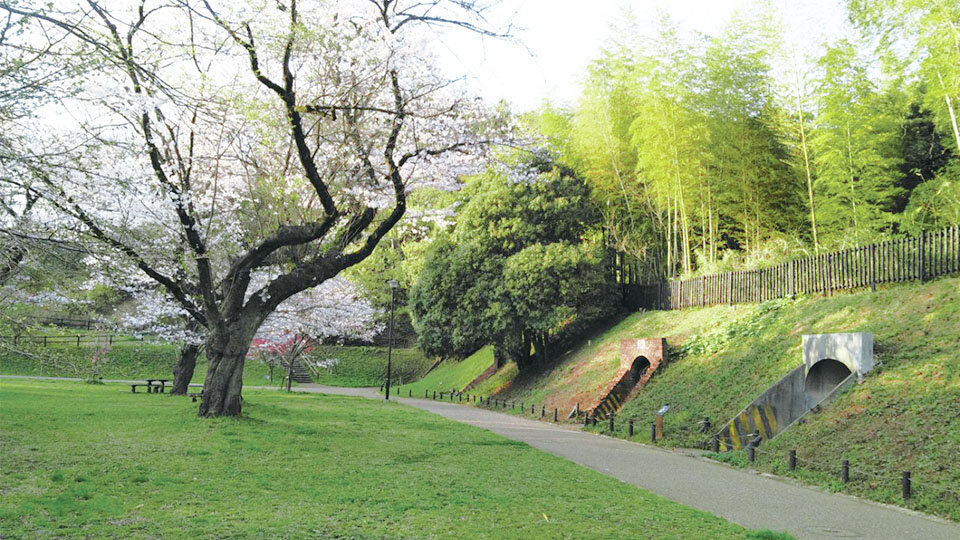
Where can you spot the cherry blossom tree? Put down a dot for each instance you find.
(240, 154)
(335, 309)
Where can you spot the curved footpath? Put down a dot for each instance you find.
(753, 500)
(749, 499)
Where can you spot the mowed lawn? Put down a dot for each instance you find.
(83, 460)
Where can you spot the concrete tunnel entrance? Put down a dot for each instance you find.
(822, 378)
(830, 361)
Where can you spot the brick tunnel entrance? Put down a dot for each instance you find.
(638, 370)
(639, 359)
(822, 378)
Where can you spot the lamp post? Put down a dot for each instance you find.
(393, 301)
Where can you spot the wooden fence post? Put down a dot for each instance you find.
(760, 286)
(873, 267)
(921, 256)
(830, 274)
(730, 295)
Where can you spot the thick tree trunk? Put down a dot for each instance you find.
(540, 344)
(499, 356)
(515, 345)
(183, 372)
(224, 381)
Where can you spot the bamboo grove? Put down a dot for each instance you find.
(714, 153)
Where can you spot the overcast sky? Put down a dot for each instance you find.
(562, 36)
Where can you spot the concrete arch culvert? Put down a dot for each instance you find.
(822, 378)
(831, 362)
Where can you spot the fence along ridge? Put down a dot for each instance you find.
(930, 255)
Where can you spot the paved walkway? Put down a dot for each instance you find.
(752, 500)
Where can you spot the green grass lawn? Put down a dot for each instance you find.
(358, 366)
(124, 360)
(367, 366)
(96, 461)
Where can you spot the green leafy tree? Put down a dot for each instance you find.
(518, 270)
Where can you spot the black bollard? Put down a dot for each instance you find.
(611, 423)
(586, 420)
(905, 484)
(792, 460)
(533, 409)
(716, 443)
(845, 472)
(409, 393)
(630, 428)
(653, 432)
(543, 411)
(434, 395)
(459, 398)
(556, 415)
(426, 393)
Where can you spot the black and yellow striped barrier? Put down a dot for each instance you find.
(760, 419)
(608, 406)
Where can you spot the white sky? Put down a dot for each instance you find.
(562, 36)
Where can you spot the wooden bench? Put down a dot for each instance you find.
(158, 388)
(153, 386)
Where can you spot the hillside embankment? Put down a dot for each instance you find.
(904, 416)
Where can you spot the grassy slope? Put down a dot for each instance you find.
(453, 374)
(87, 461)
(579, 374)
(366, 366)
(906, 416)
(360, 366)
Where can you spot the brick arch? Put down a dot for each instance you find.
(634, 353)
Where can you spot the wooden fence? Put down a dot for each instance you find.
(77, 340)
(919, 258)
